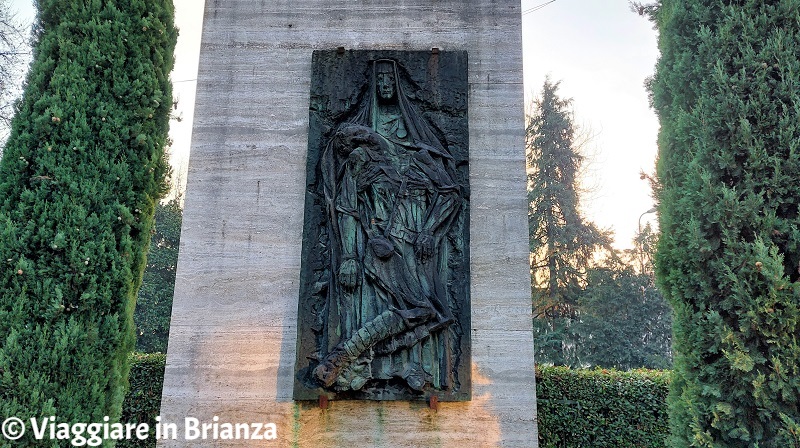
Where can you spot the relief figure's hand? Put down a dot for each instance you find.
(348, 274)
(423, 246)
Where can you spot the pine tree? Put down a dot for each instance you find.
(727, 92)
(154, 303)
(562, 243)
(79, 178)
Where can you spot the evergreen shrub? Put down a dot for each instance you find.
(576, 408)
(79, 178)
(727, 92)
(599, 408)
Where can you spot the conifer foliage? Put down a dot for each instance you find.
(79, 178)
(727, 91)
(154, 303)
(562, 242)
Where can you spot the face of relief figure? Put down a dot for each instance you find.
(385, 82)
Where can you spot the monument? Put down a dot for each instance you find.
(354, 256)
(384, 293)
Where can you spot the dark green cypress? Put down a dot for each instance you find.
(727, 91)
(79, 178)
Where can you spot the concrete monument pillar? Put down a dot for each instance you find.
(233, 339)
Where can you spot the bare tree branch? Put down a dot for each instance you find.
(14, 53)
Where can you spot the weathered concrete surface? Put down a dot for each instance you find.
(232, 344)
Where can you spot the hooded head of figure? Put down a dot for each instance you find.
(386, 88)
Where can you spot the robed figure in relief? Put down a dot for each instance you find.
(394, 217)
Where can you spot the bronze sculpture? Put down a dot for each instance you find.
(394, 220)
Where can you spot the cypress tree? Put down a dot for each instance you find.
(79, 178)
(727, 91)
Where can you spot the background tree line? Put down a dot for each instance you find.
(592, 305)
(154, 302)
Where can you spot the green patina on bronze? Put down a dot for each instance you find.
(384, 298)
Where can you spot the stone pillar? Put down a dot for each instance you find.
(232, 343)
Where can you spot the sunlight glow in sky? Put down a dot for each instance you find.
(602, 53)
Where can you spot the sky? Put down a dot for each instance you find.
(602, 53)
(599, 51)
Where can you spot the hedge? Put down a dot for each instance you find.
(602, 408)
(577, 408)
(143, 401)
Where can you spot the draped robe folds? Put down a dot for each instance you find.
(392, 202)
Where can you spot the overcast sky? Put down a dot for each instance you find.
(599, 51)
